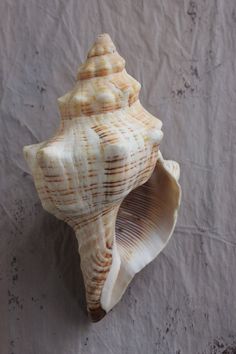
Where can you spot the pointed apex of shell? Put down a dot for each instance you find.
(103, 45)
(102, 86)
(102, 59)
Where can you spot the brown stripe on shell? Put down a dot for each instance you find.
(96, 261)
(89, 97)
(101, 66)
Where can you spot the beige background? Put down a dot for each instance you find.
(183, 53)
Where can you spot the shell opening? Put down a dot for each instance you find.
(144, 225)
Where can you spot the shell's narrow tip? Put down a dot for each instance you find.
(102, 60)
(103, 45)
(97, 315)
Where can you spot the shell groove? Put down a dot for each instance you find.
(103, 174)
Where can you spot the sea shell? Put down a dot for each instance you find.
(104, 175)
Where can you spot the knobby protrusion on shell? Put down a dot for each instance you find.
(103, 84)
(104, 175)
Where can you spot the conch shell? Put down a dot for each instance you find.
(104, 175)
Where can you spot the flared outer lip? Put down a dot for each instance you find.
(171, 170)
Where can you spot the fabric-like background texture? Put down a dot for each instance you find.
(184, 55)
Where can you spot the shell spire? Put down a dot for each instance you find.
(102, 59)
(103, 84)
(104, 175)
(102, 45)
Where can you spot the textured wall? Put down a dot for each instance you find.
(183, 53)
